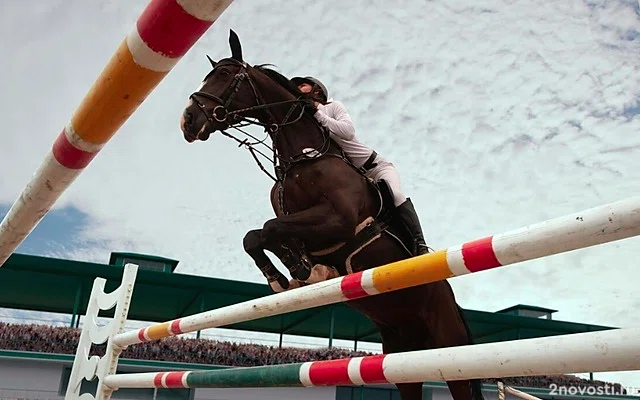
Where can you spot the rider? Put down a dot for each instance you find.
(333, 115)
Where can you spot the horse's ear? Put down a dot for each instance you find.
(234, 43)
(213, 63)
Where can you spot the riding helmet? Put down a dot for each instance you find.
(298, 80)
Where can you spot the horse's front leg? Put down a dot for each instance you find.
(255, 246)
(319, 224)
(290, 253)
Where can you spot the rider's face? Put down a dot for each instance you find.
(305, 88)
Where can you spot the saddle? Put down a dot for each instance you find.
(383, 222)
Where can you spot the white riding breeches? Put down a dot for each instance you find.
(387, 171)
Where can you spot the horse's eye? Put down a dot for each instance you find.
(224, 72)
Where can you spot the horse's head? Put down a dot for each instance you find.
(235, 94)
(230, 92)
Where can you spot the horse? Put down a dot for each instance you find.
(330, 220)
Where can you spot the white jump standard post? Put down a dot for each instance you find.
(95, 366)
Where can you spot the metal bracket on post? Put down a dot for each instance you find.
(98, 367)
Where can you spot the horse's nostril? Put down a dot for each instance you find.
(188, 118)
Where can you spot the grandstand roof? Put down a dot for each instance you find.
(38, 283)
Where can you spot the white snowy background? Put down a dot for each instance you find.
(498, 114)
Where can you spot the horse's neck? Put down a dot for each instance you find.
(290, 140)
(304, 134)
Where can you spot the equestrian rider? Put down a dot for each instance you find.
(333, 115)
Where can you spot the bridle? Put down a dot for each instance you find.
(236, 119)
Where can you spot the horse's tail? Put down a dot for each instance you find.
(476, 384)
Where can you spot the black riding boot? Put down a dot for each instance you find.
(407, 215)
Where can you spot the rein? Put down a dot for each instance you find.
(235, 119)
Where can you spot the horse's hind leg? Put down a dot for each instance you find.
(410, 391)
(447, 328)
(393, 342)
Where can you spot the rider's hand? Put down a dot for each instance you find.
(310, 105)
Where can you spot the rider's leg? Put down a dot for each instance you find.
(405, 211)
(407, 214)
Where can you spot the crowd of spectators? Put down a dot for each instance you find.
(64, 340)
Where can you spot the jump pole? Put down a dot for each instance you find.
(614, 350)
(606, 223)
(162, 35)
(604, 351)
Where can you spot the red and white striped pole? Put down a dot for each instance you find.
(162, 35)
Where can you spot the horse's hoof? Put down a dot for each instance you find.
(283, 282)
(303, 272)
(280, 284)
(321, 273)
(294, 284)
(276, 287)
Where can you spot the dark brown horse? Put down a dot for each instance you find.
(330, 219)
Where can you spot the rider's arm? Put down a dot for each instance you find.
(341, 124)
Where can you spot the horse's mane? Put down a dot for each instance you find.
(270, 73)
(279, 79)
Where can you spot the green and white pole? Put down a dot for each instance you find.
(603, 351)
